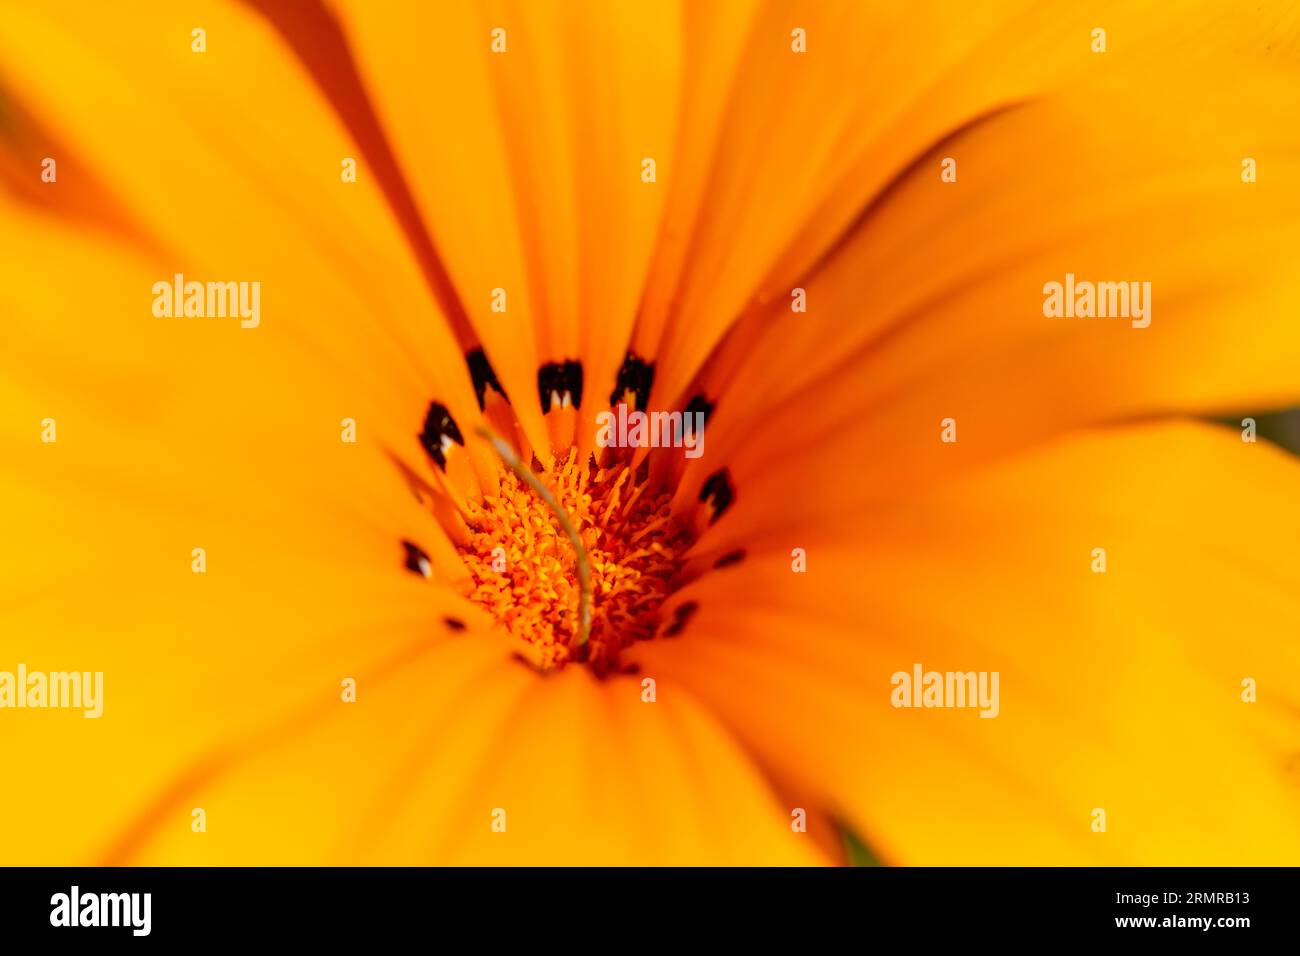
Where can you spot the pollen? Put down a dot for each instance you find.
(524, 567)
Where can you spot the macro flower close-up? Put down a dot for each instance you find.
(687, 432)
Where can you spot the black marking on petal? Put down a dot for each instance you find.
(729, 559)
(681, 614)
(556, 378)
(700, 404)
(417, 560)
(482, 375)
(719, 489)
(439, 425)
(454, 623)
(636, 376)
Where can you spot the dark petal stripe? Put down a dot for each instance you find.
(636, 376)
(559, 377)
(719, 492)
(482, 375)
(438, 423)
(414, 555)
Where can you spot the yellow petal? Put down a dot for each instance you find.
(300, 580)
(528, 165)
(1119, 690)
(192, 148)
(461, 756)
(935, 309)
(807, 143)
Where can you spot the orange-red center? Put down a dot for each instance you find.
(524, 567)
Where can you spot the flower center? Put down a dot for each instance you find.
(526, 571)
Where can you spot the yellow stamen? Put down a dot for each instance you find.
(587, 597)
(584, 565)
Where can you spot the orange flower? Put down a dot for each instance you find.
(468, 219)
